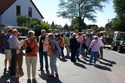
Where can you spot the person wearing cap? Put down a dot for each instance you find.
(95, 48)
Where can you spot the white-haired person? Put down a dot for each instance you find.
(95, 48)
(53, 52)
(31, 55)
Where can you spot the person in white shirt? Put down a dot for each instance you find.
(14, 45)
(43, 45)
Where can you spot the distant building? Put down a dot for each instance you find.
(9, 9)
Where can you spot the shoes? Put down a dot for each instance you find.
(41, 70)
(5, 69)
(50, 75)
(95, 64)
(57, 76)
(34, 80)
(9, 68)
(47, 70)
(28, 80)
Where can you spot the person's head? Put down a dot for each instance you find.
(43, 32)
(98, 34)
(79, 34)
(58, 36)
(95, 37)
(15, 32)
(50, 36)
(19, 34)
(62, 35)
(31, 34)
(74, 35)
(68, 35)
(10, 31)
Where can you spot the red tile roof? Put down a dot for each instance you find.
(5, 4)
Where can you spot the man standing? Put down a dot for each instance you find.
(74, 46)
(7, 49)
(43, 45)
(14, 45)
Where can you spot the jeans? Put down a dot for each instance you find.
(41, 55)
(53, 65)
(94, 56)
(13, 62)
(83, 51)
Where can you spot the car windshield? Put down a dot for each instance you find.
(121, 36)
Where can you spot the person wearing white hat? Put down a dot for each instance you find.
(95, 48)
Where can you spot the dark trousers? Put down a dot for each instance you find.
(62, 48)
(101, 52)
(41, 55)
(73, 55)
(13, 62)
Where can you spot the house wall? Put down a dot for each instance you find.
(9, 16)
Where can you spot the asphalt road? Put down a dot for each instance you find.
(111, 69)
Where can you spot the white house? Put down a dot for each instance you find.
(9, 9)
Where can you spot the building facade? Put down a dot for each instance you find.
(10, 9)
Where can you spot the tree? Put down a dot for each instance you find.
(80, 9)
(115, 24)
(66, 27)
(118, 22)
(23, 21)
(75, 24)
(32, 23)
(119, 6)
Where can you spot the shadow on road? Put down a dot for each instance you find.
(112, 62)
(103, 67)
(5, 78)
(104, 63)
(80, 65)
(44, 76)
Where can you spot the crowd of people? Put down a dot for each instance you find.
(49, 47)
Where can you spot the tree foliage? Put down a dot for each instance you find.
(118, 22)
(119, 6)
(75, 24)
(80, 8)
(32, 23)
(115, 24)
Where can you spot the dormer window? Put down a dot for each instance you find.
(30, 12)
(18, 10)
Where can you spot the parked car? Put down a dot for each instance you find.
(118, 42)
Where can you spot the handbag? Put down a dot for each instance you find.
(92, 47)
(28, 48)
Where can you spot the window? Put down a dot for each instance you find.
(18, 10)
(30, 12)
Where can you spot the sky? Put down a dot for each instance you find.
(49, 11)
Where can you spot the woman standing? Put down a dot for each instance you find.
(53, 52)
(31, 55)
